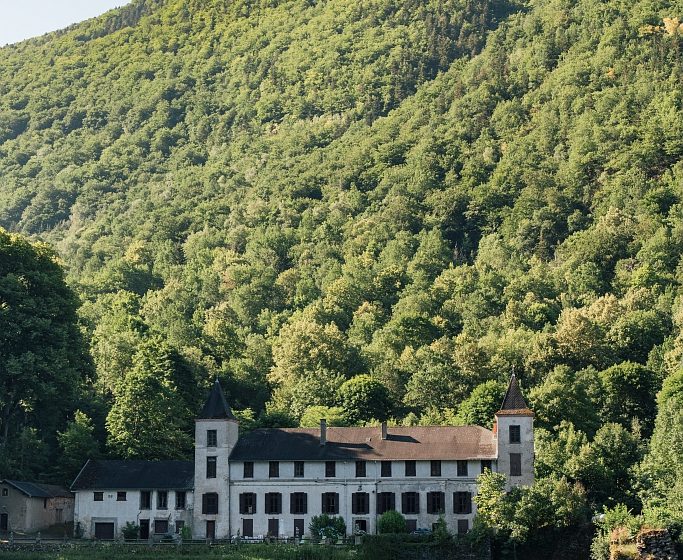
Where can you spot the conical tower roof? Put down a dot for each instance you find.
(216, 407)
(513, 402)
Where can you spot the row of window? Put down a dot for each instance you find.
(360, 503)
(515, 436)
(146, 499)
(386, 468)
(299, 526)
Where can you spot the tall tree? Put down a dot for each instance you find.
(150, 418)
(43, 358)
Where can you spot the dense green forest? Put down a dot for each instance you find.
(366, 209)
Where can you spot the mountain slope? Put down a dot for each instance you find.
(292, 193)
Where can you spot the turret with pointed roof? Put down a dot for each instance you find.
(514, 437)
(513, 402)
(216, 407)
(216, 434)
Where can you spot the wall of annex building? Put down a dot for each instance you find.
(33, 514)
(315, 483)
(88, 511)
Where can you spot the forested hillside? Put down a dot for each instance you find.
(379, 206)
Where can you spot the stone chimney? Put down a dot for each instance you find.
(384, 430)
(323, 431)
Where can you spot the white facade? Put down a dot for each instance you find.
(314, 484)
(101, 513)
(272, 482)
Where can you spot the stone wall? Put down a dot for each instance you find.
(655, 544)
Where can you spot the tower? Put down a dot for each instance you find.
(215, 436)
(514, 436)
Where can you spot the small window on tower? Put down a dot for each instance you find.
(515, 435)
(211, 438)
(211, 467)
(515, 464)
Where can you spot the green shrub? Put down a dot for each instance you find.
(391, 522)
(130, 531)
(327, 527)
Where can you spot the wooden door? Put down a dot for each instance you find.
(211, 530)
(299, 528)
(4, 522)
(144, 529)
(247, 527)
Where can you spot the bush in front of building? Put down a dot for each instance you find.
(391, 522)
(325, 526)
(130, 531)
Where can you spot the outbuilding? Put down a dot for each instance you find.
(31, 506)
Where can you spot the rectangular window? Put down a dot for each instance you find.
(273, 503)
(247, 527)
(299, 528)
(515, 464)
(145, 499)
(120, 496)
(330, 469)
(160, 526)
(162, 499)
(330, 503)
(248, 503)
(274, 469)
(210, 504)
(435, 468)
(385, 469)
(361, 525)
(179, 524)
(411, 525)
(211, 467)
(298, 503)
(486, 465)
(462, 502)
(410, 503)
(248, 469)
(5, 492)
(98, 496)
(385, 501)
(515, 434)
(361, 469)
(463, 526)
(180, 500)
(298, 469)
(273, 527)
(360, 503)
(411, 468)
(211, 438)
(436, 502)
(462, 468)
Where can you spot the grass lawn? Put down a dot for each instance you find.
(120, 552)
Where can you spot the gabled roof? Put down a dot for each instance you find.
(513, 402)
(216, 407)
(38, 490)
(135, 474)
(402, 443)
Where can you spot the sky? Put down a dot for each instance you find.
(21, 19)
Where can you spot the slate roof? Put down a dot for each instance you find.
(513, 402)
(216, 407)
(38, 490)
(402, 443)
(132, 475)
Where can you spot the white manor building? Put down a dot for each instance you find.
(274, 481)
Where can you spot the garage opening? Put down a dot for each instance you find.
(104, 531)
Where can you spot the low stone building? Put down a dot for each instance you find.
(30, 506)
(154, 495)
(274, 481)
